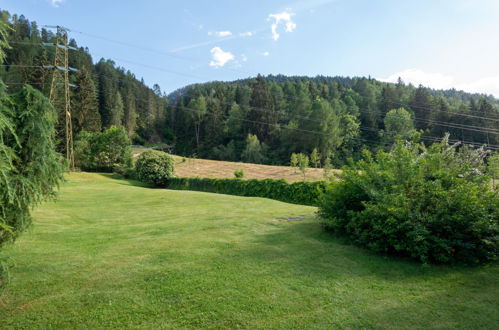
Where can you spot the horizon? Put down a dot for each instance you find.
(384, 41)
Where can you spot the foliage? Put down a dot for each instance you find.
(431, 204)
(103, 151)
(493, 168)
(305, 193)
(154, 167)
(294, 160)
(328, 166)
(239, 173)
(30, 168)
(254, 151)
(107, 94)
(315, 158)
(303, 163)
(340, 116)
(398, 123)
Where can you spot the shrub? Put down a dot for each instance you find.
(239, 173)
(154, 167)
(305, 193)
(103, 151)
(434, 205)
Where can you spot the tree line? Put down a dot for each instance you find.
(266, 119)
(263, 119)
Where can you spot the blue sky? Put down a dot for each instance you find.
(439, 43)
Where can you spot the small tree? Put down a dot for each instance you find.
(294, 161)
(239, 174)
(398, 122)
(254, 151)
(328, 166)
(303, 162)
(315, 158)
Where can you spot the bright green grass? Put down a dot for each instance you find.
(110, 253)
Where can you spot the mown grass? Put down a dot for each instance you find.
(112, 254)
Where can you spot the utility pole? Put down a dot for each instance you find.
(60, 85)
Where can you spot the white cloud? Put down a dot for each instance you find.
(487, 85)
(246, 34)
(285, 18)
(220, 57)
(220, 33)
(244, 58)
(416, 77)
(265, 53)
(56, 3)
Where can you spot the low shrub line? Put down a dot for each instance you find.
(305, 193)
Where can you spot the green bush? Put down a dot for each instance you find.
(306, 193)
(103, 151)
(434, 205)
(154, 167)
(239, 173)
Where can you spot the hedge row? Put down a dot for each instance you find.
(305, 193)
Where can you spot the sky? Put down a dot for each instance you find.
(438, 43)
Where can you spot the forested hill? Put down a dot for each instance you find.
(106, 94)
(339, 116)
(262, 119)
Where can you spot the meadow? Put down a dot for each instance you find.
(112, 253)
(206, 168)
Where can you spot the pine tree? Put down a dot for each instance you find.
(422, 107)
(261, 112)
(85, 110)
(118, 111)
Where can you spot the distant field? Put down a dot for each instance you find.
(111, 254)
(192, 167)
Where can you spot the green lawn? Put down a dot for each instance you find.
(110, 253)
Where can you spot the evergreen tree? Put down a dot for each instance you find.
(118, 111)
(84, 105)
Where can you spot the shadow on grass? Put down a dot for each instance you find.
(125, 181)
(306, 249)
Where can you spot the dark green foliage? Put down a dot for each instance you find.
(103, 151)
(106, 94)
(85, 112)
(239, 174)
(340, 116)
(154, 167)
(431, 204)
(305, 193)
(30, 168)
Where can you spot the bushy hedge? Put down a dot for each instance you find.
(104, 151)
(434, 205)
(154, 167)
(306, 193)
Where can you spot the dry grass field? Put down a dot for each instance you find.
(205, 168)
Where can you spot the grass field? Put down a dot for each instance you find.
(112, 254)
(205, 168)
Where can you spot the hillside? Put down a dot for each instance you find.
(206, 168)
(112, 254)
(274, 116)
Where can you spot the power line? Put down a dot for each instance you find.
(285, 96)
(280, 126)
